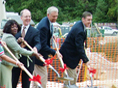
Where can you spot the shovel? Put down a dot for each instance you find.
(43, 60)
(79, 68)
(62, 63)
(27, 72)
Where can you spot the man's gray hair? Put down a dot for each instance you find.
(85, 14)
(52, 9)
(21, 13)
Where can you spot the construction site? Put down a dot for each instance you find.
(101, 50)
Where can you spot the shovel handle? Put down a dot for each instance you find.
(62, 63)
(41, 58)
(10, 52)
(23, 67)
(28, 45)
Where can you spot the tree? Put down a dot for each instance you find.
(112, 10)
(101, 11)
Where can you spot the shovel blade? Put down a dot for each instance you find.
(65, 78)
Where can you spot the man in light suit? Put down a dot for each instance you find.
(46, 32)
(73, 47)
(32, 38)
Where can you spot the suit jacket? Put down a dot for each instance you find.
(32, 38)
(45, 36)
(14, 47)
(73, 47)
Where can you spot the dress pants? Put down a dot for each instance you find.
(42, 71)
(73, 74)
(24, 78)
(15, 78)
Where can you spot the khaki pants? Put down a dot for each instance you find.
(73, 74)
(42, 71)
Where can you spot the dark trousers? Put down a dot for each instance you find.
(24, 78)
(15, 77)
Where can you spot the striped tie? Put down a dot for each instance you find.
(23, 32)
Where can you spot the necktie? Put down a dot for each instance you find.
(23, 32)
(23, 35)
(51, 33)
(85, 33)
(51, 29)
(85, 38)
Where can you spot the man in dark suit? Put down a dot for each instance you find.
(31, 35)
(45, 28)
(73, 47)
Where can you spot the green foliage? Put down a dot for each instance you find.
(112, 11)
(69, 10)
(101, 11)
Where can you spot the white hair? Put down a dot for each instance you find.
(52, 9)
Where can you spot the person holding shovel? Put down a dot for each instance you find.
(31, 36)
(8, 59)
(45, 28)
(5, 57)
(9, 31)
(72, 49)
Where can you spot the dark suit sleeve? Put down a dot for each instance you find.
(36, 41)
(44, 37)
(18, 35)
(79, 40)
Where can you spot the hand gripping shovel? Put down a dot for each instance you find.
(27, 72)
(43, 60)
(62, 63)
(92, 71)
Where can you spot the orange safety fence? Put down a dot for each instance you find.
(103, 56)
